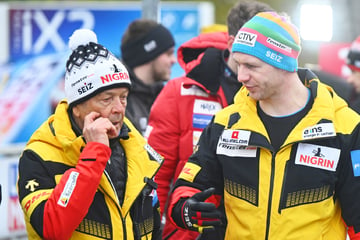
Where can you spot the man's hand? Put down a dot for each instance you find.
(197, 215)
(98, 129)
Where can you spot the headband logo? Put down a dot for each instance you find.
(78, 81)
(116, 69)
(85, 88)
(274, 56)
(246, 38)
(278, 44)
(150, 46)
(121, 76)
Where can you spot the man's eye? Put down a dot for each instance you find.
(249, 66)
(107, 99)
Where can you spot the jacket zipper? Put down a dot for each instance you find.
(123, 218)
(118, 204)
(270, 196)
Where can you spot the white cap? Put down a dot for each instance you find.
(91, 68)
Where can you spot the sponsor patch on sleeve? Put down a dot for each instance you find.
(32, 200)
(201, 120)
(189, 172)
(196, 137)
(68, 189)
(155, 156)
(203, 112)
(355, 159)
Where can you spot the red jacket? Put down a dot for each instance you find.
(184, 107)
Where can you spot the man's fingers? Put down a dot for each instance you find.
(111, 132)
(210, 215)
(94, 121)
(98, 129)
(202, 196)
(209, 222)
(203, 206)
(90, 118)
(207, 216)
(203, 229)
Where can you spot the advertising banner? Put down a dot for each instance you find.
(45, 28)
(39, 35)
(24, 100)
(12, 222)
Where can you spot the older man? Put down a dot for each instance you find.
(87, 172)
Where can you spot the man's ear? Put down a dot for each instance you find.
(75, 111)
(230, 42)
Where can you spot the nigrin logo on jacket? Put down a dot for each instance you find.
(317, 156)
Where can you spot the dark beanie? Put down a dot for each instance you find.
(146, 48)
(353, 57)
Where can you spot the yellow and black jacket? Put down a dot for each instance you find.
(308, 189)
(66, 193)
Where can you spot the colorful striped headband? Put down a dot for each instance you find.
(271, 38)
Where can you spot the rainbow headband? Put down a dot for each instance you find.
(271, 38)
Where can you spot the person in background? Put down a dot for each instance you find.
(214, 28)
(147, 50)
(353, 62)
(186, 104)
(284, 158)
(86, 172)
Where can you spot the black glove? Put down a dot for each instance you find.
(195, 214)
